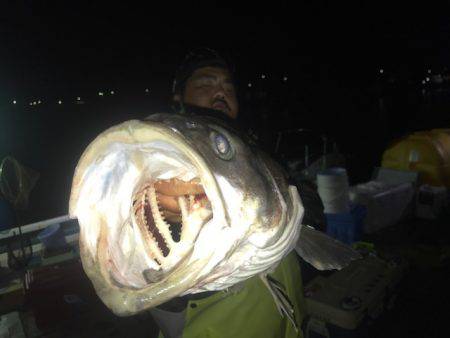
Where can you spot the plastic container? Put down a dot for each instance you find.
(53, 237)
(347, 227)
(386, 204)
(332, 186)
(427, 152)
(317, 328)
(362, 290)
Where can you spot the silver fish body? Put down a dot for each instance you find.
(240, 221)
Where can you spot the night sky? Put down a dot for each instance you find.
(331, 53)
(51, 47)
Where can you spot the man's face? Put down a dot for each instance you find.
(211, 87)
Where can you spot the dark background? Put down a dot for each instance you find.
(331, 54)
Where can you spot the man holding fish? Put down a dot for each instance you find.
(248, 310)
(182, 215)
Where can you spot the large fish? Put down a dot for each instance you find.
(181, 204)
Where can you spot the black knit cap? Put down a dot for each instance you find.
(195, 59)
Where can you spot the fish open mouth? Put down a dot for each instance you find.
(168, 206)
(165, 209)
(146, 202)
(152, 202)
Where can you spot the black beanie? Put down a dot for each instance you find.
(198, 58)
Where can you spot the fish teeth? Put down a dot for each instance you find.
(154, 258)
(160, 223)
(184, 210)
(188, 231)
(159, 210)
(139, 213)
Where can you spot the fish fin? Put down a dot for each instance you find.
(280, 297)
(322, 251)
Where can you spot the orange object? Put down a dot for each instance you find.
(427, 152)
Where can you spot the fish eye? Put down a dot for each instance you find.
(221, 146)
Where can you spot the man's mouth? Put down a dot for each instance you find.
(221, 105)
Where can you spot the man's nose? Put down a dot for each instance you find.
(219, 92)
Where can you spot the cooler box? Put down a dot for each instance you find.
(347, 227)
(386, 203)
(338, 305)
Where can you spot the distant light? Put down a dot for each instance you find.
(429, 71)
(59, 102)
(249, 85)
(39, 102)
(427, 78)
(285, 78)
(381, 71)
(34, 103)
(100, 93)
(78, 98)
(14, 102)
(112, 92)
(147, 90)
(423, 82)
(31, 103)
(263, 76)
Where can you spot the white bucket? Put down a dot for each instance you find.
(332, 186)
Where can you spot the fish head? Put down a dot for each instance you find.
(237, 216)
